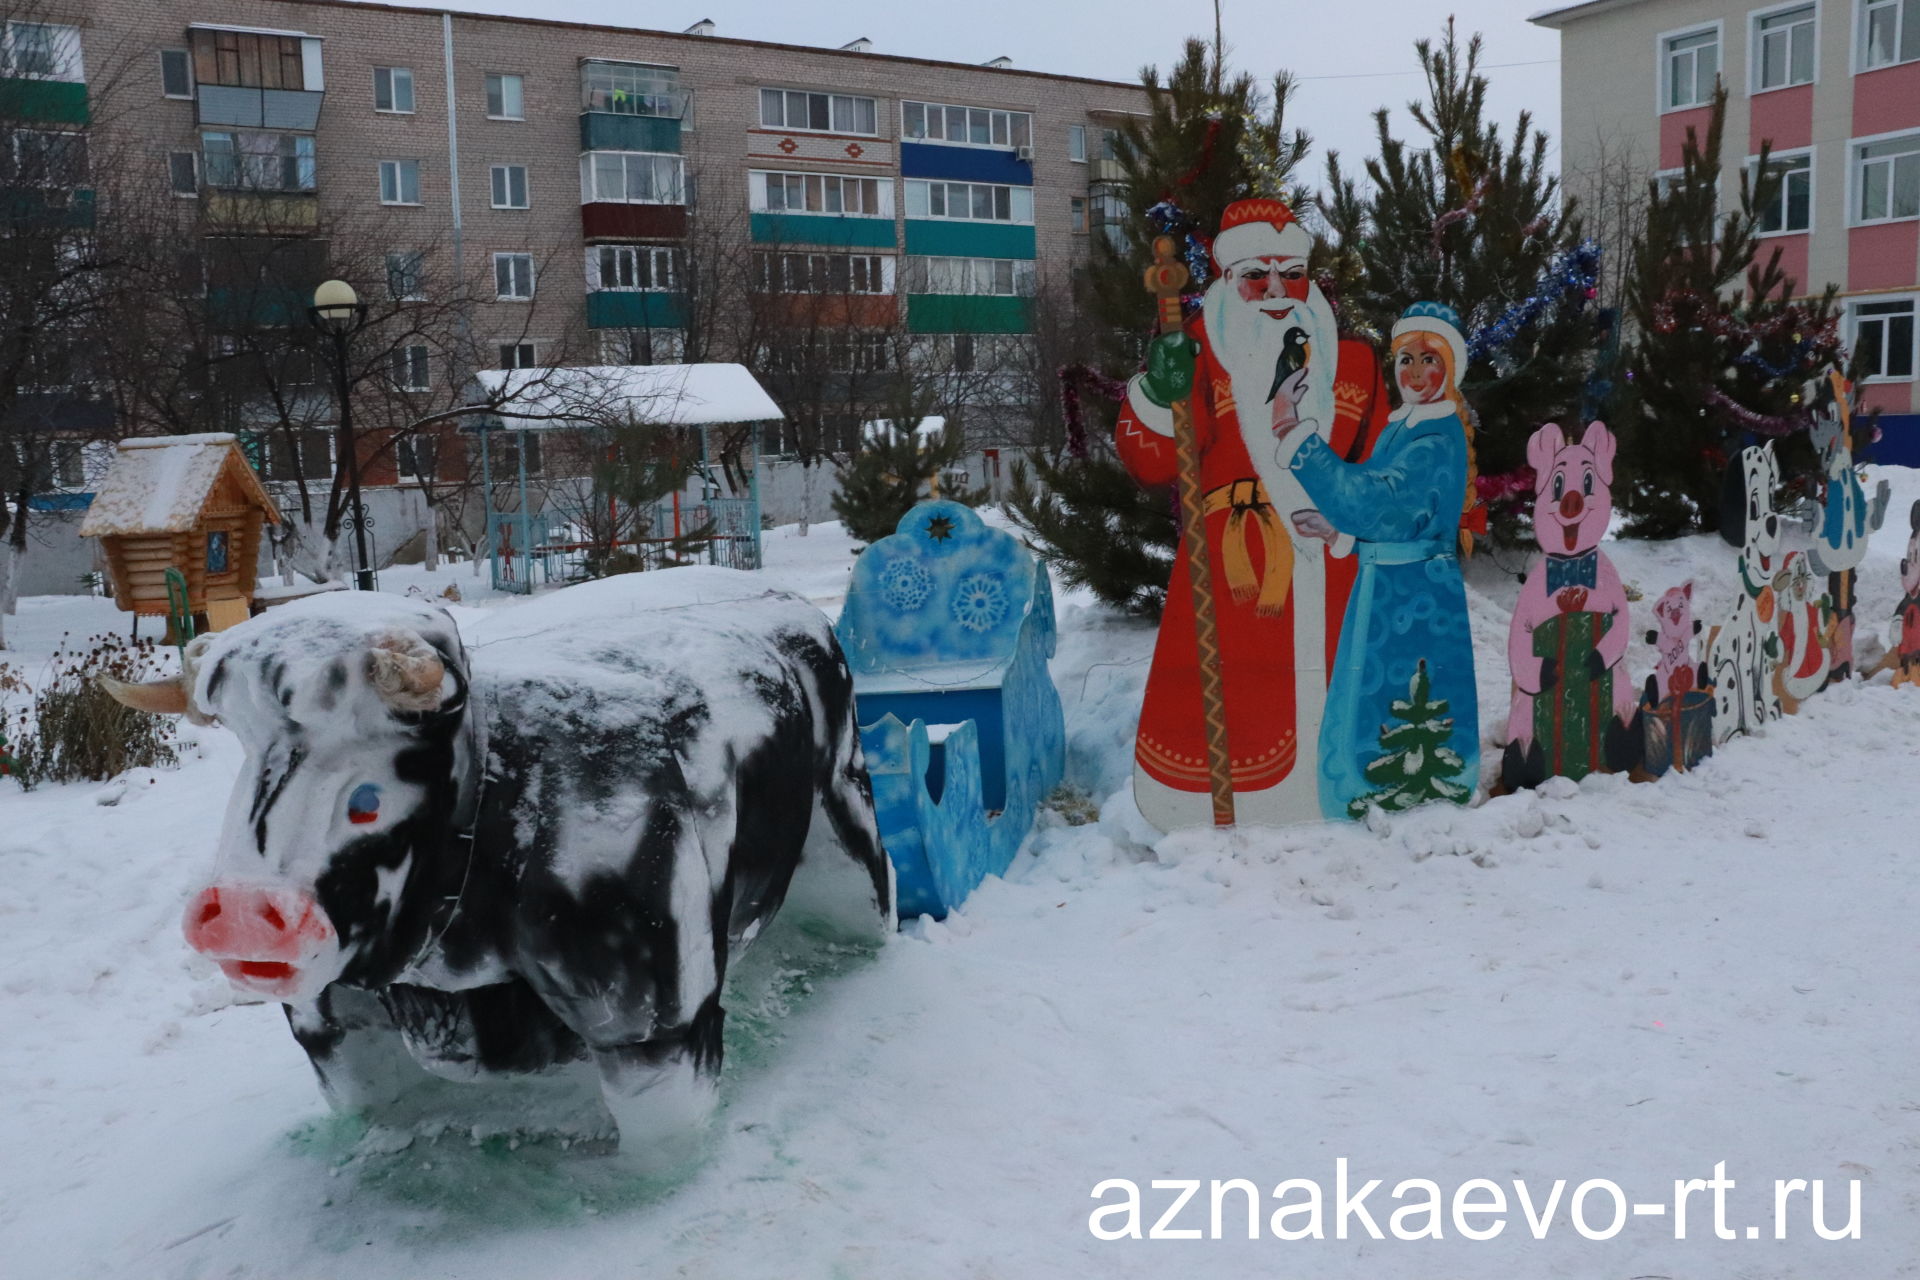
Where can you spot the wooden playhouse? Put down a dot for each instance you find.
(190, 503)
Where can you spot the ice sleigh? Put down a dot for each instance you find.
(948, 626)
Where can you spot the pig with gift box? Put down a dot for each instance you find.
(1574, 709)
(1676, 714)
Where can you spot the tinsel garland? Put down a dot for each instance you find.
(1571, 270)
(1467, 210)
(1071, 377)
(1214, 121)
(1758, 423)
(1506, 488)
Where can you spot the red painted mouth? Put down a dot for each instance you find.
(1278, 313)
(266, 970)
(1570, 532)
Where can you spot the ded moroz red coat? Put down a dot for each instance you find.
(1245, 542)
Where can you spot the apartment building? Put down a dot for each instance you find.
(559, 162)
(1833, 85)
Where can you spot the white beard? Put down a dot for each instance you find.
(1246, 341)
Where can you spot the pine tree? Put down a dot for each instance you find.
(1709, 362)
(1207, 140)
(1468, 217)
(1416, 765)
(892, 470)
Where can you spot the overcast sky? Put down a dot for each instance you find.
(1352, 55)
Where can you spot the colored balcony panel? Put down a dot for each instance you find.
(967, 313)
(829, 310)
(606, 131)
(633, 309)
(245, 211)
(263, 307)
(44, 101)
(1673, 133)
(29, 207)
(608, 221)
(964, 164)
(245, 108)
(1886, 100)
(823, 229)
(969, 239)
(1783, 117)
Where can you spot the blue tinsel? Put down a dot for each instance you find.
(1169, 219)
(1574, 269)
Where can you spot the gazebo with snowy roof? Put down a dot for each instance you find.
(537, 538)
(190, 503)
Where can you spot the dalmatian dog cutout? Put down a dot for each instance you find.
(1743, 651)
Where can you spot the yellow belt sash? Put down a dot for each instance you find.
(1251, 515)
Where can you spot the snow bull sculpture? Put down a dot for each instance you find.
(535, 858)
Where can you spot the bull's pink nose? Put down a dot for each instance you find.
(253, 922)
(1571, 504)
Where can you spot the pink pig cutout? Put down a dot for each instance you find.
(1672, 638)
(1573, 505)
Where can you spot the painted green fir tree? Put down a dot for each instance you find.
(1417, 765)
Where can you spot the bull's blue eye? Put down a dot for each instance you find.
(364, 804)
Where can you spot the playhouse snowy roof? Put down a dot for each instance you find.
(158, 484)
(686, 395)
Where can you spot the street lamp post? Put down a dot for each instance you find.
(338, 312)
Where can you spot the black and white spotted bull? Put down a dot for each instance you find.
(537, 856)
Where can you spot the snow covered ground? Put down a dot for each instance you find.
(1609, 981)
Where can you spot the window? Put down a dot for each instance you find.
(509, 186)
(393, 90)
(1886, 179)
(505, 97)
(399, 182)
(43, 50)
(1077, 143)
(183, 172)
(306, 456)
(1890, 32)
(513, 276)
(407, 275)
(638, 267)
(818, 112)
(1689, 68)
(1883, 336)
(819, 193)
(1791, 208)
(642, 346)
(218, 560)
(632, 177)
(823, 273)
(996, 277)
(517, 355)
(416, 455)
(410, 368)
(176, 73)
(1077, 212)
(44, 158)
(250, 160)
(631, 89)
(967, 126)
(974, 200)
(252, 60)
(1783, 49)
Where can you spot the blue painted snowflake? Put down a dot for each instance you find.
(906, 585)
(979, 602)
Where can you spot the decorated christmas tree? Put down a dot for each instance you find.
(1465, 215)
(1416, 765)
(1207, 140)
(1712, 365)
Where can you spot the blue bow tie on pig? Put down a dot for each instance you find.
(1573, 571)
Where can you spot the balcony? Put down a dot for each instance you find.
(610, 220)
(33, 101)
(1106, 170)
(611, 131)
(835, 230)
(636, 309)
(47, 207)
(231, 105)
(260, 211)
(968, 313)
(959, 238)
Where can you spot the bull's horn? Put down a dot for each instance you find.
(406, 672)
(161, 697)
